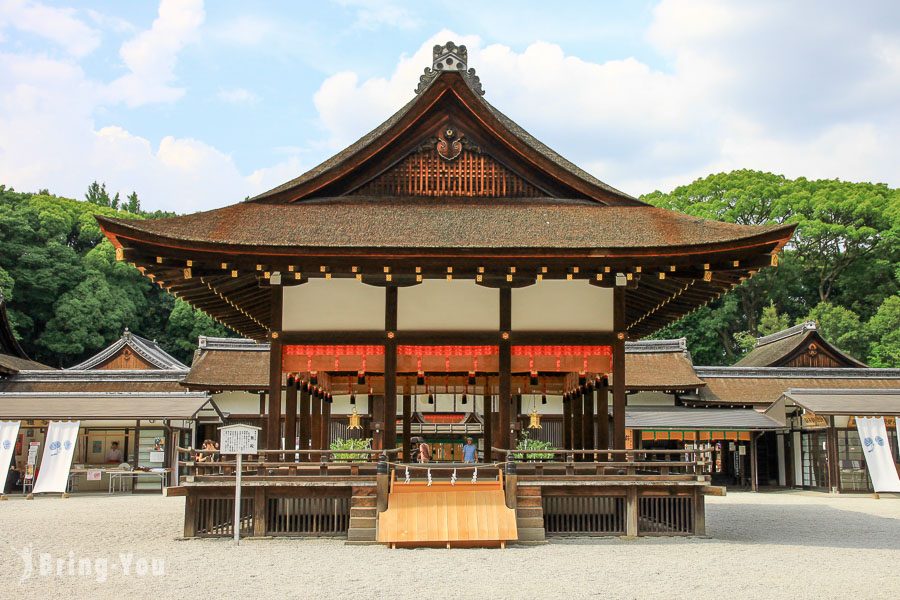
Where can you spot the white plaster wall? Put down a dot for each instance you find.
(562, 305)
(333, 305)
(441, 305)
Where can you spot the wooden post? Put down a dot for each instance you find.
(304, 421)
(263, 420)
(316, 422)
(754, 473)
(834, 471)
(488, 423)
(376, 405)
(699, 512)
(618, 366)
(407, 426)
(290, 419)
(631, 511)
(577, 403)
(603, 419)
(505, 367)
(137, 445)
(567, 423)
(587, 436)
(516, 419)
(511, 485)
(259, 511)
(273, 431)
(326, 425)
(190, 513)
(390, 369)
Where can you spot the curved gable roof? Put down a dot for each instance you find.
(779, 348)
(144, 348)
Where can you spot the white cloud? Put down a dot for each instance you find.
(237, 96)
(151, 55)
(746, 87)
(374, 14)
(59, 25)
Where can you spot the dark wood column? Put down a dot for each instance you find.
(326, 425)
(577, 422)
(263, 419)
(488, 424)
(390, 369)
(290, 418)
(505, 367)
(407, 426)
(603, 418)
(315, 423)
(273, 431)
(587, 423)
(516, 417)
(304, 420)
(376, 405)
(831, 444)
(567, 423)
(618, 367)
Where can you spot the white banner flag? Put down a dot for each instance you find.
(876, 448)
(8, 432)
(59, 448)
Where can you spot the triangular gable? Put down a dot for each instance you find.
(798, 346)
(132, 352)
(448, 141)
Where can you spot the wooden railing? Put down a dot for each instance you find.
(605, 462)
(205, 465)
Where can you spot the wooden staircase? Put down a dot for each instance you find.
(529, 514)
(363, 515)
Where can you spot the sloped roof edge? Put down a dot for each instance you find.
(146, 349)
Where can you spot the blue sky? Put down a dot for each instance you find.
(196, 106)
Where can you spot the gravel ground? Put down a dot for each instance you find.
(786, 544)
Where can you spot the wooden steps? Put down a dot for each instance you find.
(363, 515)
(530, 514)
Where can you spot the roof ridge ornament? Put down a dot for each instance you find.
(450, 57)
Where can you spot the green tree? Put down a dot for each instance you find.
(771, 322)
(185, 325)
(97, 194)
(134, 204)
(884, 332)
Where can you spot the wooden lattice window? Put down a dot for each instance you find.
(470, 173)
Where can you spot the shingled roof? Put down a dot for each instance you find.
(761, 386)
(94, 380)
(147, 350)
(785, 347)
(659, 365)
(229, 364)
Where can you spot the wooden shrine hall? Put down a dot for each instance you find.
(447, 251)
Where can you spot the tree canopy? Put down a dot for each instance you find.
(841, 269)
(67, 295)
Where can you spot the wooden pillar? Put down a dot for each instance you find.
(505, 367)
(516, 418)
(618, 366)
(603, 419)
(137, 444)
(390, 369)
(315, 421)
(567, 423)
(587, 436)
(407, 426)
(263, 420)
(273, 431)
(304, 421)
(834, 473)
(577, 403)
(376, 405)
(754, 483)
(290, 419)
(488, 424)
(325, 436)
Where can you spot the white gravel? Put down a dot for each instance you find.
(788, 544)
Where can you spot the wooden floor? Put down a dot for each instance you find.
(461, 515)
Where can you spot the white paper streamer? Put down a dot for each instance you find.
(406, 478)
(453, 478)
(475, 476)
(429, 477)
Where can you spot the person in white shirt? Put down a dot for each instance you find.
(114, 454)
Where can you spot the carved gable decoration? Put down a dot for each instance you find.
(449, 164)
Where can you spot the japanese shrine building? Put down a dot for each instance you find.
(448, 251)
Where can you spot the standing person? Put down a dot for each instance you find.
(114, 454)
(470, 451)
(424, 451)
